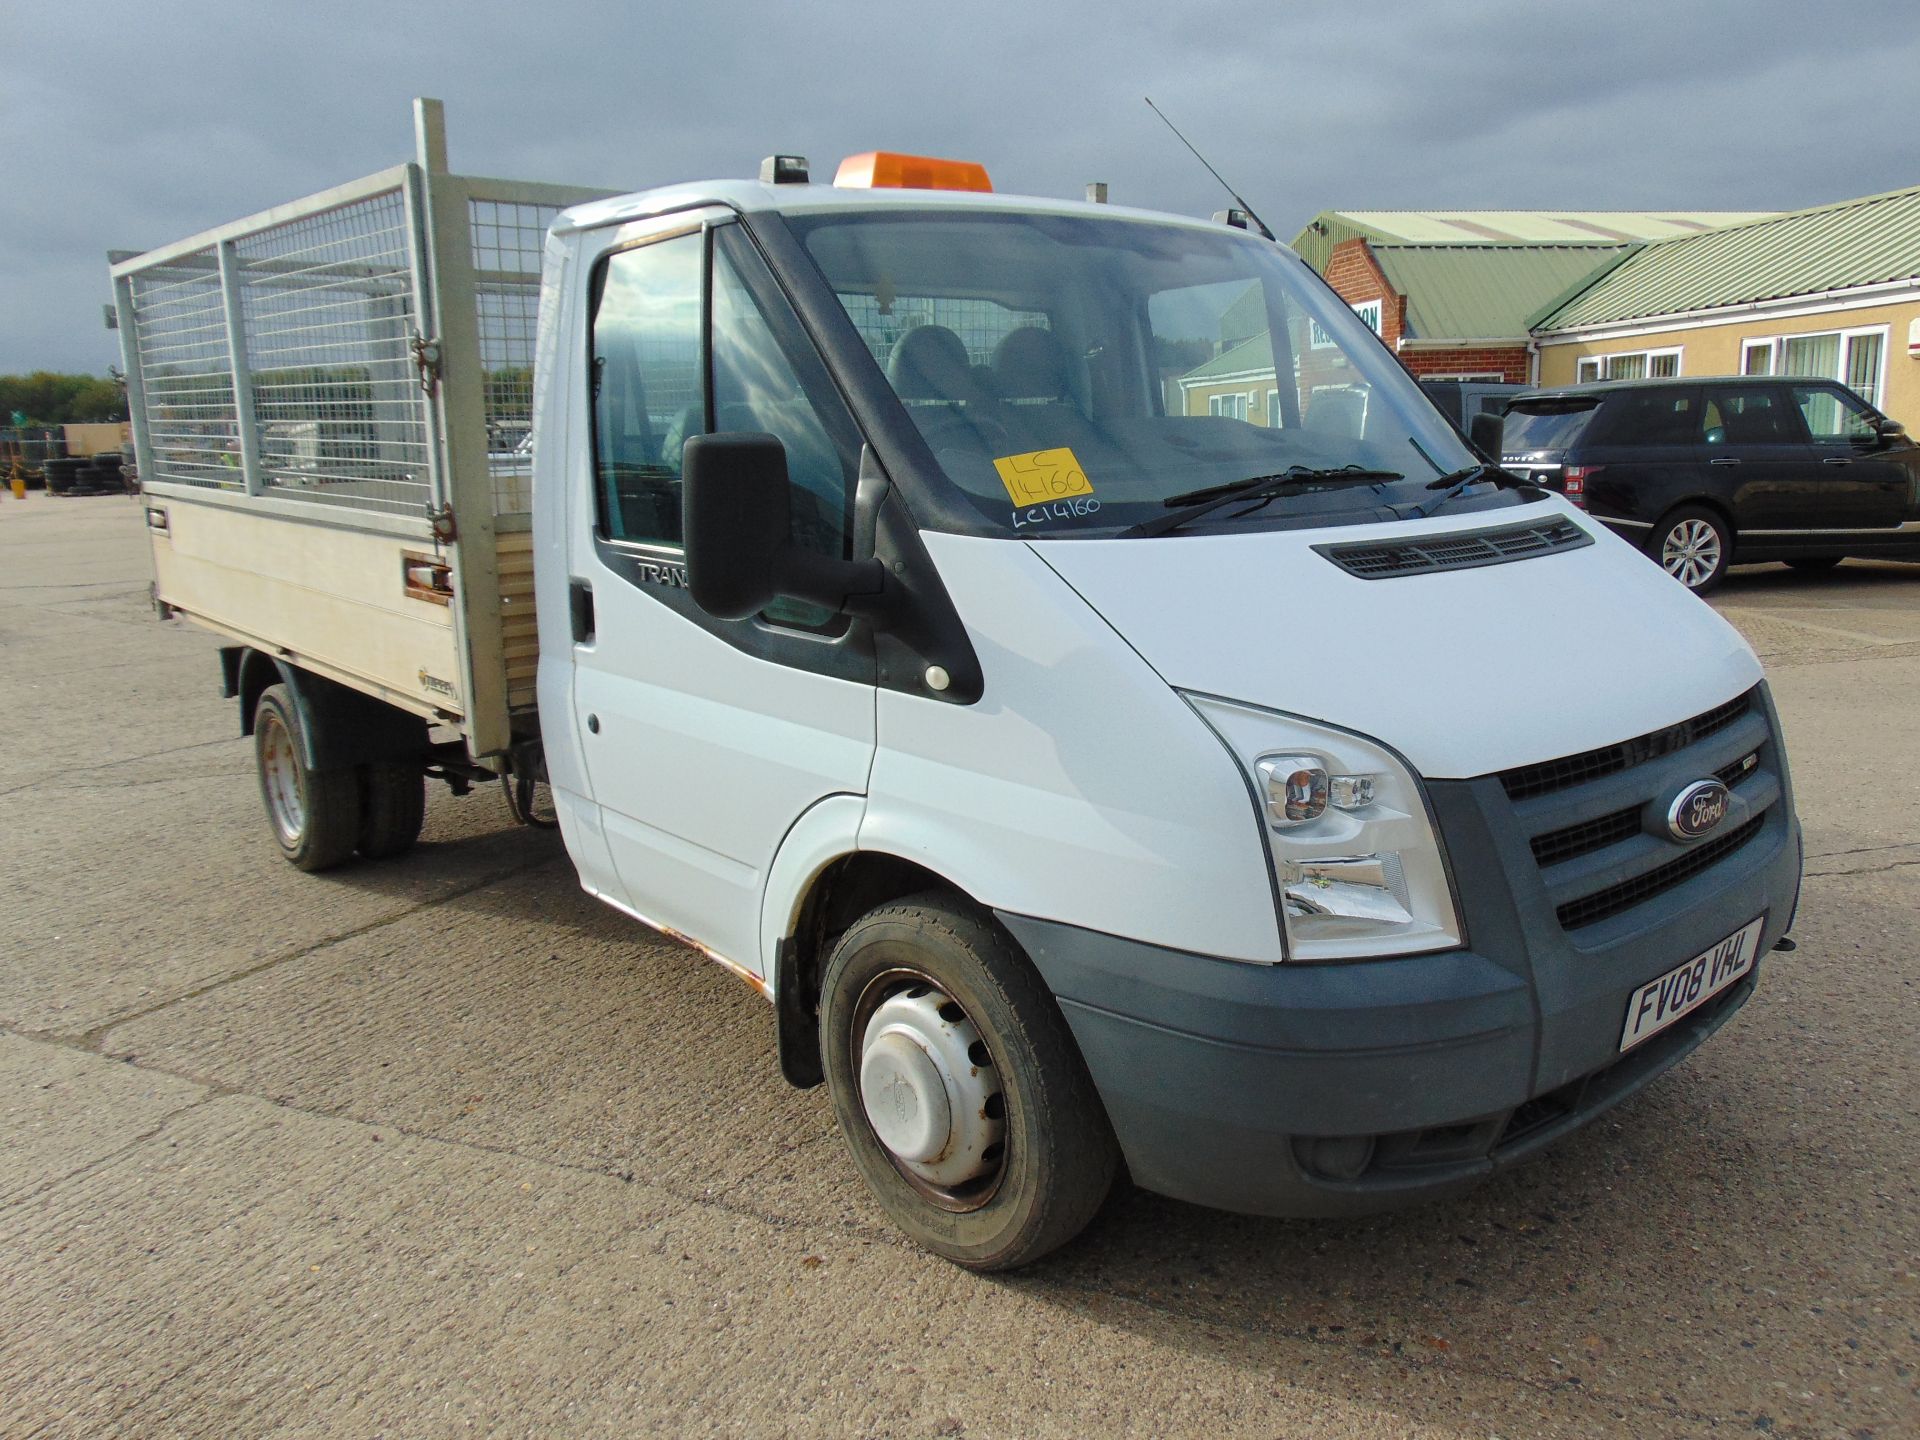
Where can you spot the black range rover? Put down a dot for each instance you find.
(1707, 473)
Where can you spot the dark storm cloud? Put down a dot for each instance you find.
(127, 125)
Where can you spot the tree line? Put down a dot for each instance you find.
(48, 398)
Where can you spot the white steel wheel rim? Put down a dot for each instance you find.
(1691, 552)
(932, 1096)
(280, 778)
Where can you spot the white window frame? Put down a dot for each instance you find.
(1772, 348)
(1846, 336)
(1602, 365)
(1232, 405)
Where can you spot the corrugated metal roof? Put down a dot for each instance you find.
(1249, 356)
(1869, 241)
(1484, 292)
(1540, 227)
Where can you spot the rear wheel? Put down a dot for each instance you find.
(1814, 564)
(393, 807)
(958, 1087)
(315, 813)
(1693, 546)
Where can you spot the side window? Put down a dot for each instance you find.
(1659, 415)
(757, 386)
(649, 389)
(1832, 415)
(1745, 416)
(650, 379)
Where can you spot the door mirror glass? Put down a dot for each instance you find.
(737, 515)
(1486, 430)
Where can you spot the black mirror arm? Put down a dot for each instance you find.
(853, 587)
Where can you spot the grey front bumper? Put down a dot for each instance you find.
(1220, 1077)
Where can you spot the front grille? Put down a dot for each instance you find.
(1527, 781)
(1570, 842)
(1602, 904)
(1466, 550)
(1573, 841)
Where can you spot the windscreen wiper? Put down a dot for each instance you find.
(1195, 503)
(1459, 481)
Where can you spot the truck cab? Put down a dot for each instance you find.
(1056, 653)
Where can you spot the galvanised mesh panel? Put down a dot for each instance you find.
(507, 242)
(180, 335)
(329, 312)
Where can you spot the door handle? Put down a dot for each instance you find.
(1836, 460)
(580, 604)
(1724, 460)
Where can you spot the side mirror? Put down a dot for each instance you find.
(1891, 431)
(736, 518)
(735, 515)
(1485, 430)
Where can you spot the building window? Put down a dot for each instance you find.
(1856, 358)
(1234, 407)
(1630, 365)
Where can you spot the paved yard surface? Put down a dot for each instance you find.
(443, 1147)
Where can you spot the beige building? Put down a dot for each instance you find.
(1833, 291)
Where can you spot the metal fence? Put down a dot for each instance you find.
(507, 241)
(180, 346)
(279, 356)
(328, 315)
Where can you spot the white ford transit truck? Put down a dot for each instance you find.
(1052, 652)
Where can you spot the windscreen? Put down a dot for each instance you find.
(1073, 375)
(1550, 427)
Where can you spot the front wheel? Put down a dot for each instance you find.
(315, 813)
(1694, 547)
(958, 1087)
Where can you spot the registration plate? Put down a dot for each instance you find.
(1658, 1003)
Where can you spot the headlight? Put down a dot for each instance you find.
(1355, 857)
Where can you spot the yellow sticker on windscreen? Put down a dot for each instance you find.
(1042, 475)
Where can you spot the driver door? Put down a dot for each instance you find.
(705, 740)
(1854, 485)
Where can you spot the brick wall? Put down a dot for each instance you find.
(1356, 277)
(1507, 361)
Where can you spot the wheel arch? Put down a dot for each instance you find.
(339, 726)
(834, 890)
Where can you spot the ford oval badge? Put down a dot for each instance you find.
(1697, 809)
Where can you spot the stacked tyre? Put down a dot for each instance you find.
(62, 474)
(102, 476)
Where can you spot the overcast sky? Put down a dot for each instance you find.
(126, 125)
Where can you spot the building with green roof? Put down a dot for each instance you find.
(1832, 291)
(1452, 291)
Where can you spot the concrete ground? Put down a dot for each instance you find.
(443, 1147)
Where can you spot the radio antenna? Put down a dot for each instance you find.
(1258, 222)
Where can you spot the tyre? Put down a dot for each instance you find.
(1693, 546)
(393, 803)
(959, 1088)
(1814, 564)
(315, 814)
